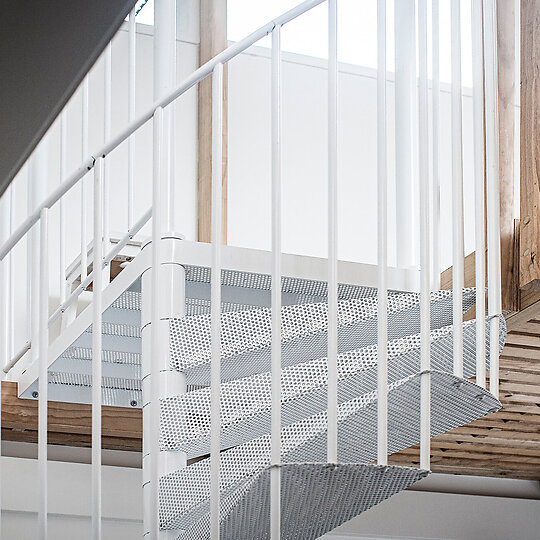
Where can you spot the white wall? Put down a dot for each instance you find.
(409, 514)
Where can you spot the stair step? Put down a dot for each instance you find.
(246, 335)
(454, 402)
(246, 403)
(115, 337)
(315, 499)
(77, 388)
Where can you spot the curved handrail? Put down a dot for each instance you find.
(197, 76)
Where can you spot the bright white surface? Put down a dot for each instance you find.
(411, 514)
(444, 516)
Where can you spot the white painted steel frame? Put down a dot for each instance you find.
(107, 120)
(275, 475)
(132, 66)
(97, 310)
(157, 186)
(62, 204)
(479, 189)
(382, 240)
(43, 365)
(215, 296)
(458, 250)
(492, 183)
(435, 123)
(84, 187)
(332, 450)
(425, 262)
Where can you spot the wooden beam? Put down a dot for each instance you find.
(506, 51)
(213, 40)
(530, 145)
(69, 424)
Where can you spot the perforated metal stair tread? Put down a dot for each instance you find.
(246, 335)
(315, 499)
(246, 403)
(454, 402)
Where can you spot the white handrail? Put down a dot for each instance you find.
(193, 79)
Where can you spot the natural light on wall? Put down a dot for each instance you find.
(357, 26)
(357, 21)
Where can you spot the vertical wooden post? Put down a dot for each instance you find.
(506, 88)
(529, 256)
(213, 40)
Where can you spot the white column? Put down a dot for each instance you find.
(405, 105)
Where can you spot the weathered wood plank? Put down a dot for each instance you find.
(68, 423)
(529, 145)
(506, 94)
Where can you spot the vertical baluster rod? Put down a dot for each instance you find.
(43, 365)
(62, 206)
(425, 263)
(435, 122)
(457, 189)
(97, 305)
(332, 231)
(84, 187)
(131, 112)
(215, 295)
(107, 121)
(492, 173)
(382, 240)
(157, 225)
(479, 190)
(275, 503)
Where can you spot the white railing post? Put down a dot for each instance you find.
(107, 119)
(435, 122)
(382, 241)
(43, 368)
(332, 232)
(458, 253)
(425, 262)
(84, 187)
(275, 503)
(155, 317)
(97, 308)
(62, 206)
(492, 174)
(215, 297)
(131, 112)
(479, 190)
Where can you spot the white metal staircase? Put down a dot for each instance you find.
(273, 386)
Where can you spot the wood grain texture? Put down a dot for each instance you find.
(529, 145)
(506, 443)
(506, 51)
(69, 424)
(213, 40)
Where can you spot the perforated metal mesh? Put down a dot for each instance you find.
(315, 498)
(110, 389)
(311, 290)
(184, 494)
(246, 403)
(246, 335)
